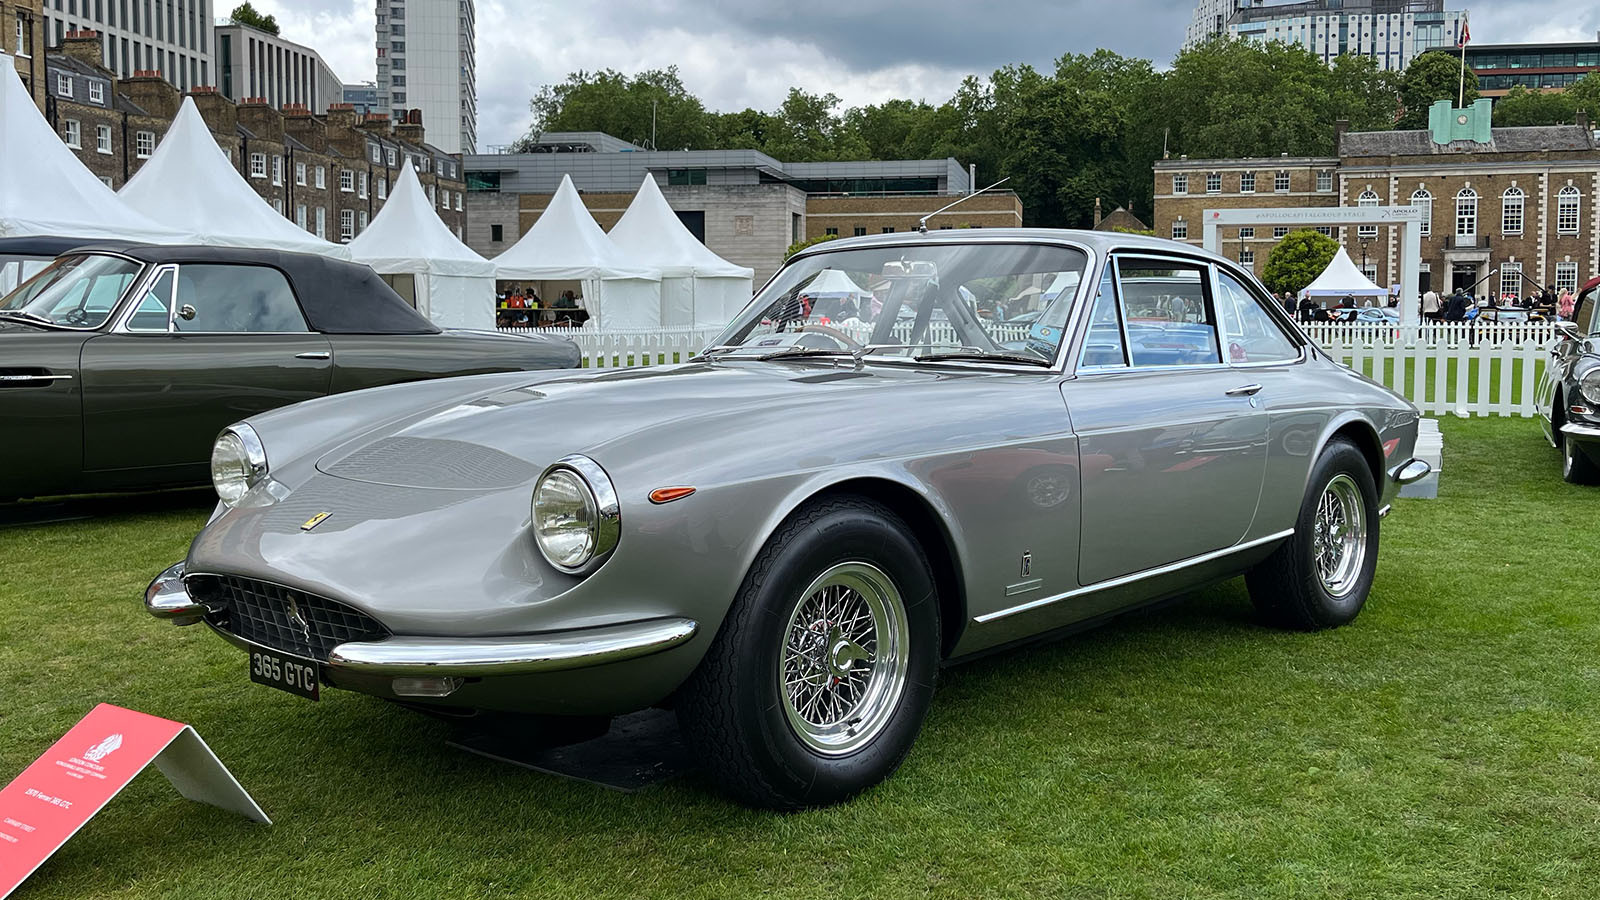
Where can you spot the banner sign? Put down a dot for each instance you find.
(47, 804)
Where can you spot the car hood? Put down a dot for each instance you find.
(505, 437)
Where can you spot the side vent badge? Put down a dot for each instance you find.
(1027, 563)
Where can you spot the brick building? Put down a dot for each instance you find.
(22, 35)
(1515, 201)
(329, 173)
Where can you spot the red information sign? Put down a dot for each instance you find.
(79, 774)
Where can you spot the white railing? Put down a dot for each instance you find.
(1466, 368)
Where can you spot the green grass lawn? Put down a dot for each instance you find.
(1445, 745)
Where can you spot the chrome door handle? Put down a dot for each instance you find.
(18, 380)
(313, 354)
(1248, 390)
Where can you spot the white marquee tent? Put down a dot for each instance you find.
(566, 244)
(1342, 278)
(46, 191)
(832, 284)
(698, 287)
(409, 243)
(189, 184)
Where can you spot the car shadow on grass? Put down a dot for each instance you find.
(53, 510)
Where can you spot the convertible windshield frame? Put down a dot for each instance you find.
(1093, 259)
(136, 279)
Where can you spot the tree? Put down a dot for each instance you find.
(1521, 106)
(1297, 260)
(652, 104)
(1432, 77)
(797, 246)
(1586, 96)
(245, 14)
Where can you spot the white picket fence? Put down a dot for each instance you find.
(1465, 368)
(1488, 369)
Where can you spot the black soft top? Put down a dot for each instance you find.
(43, 246)
(337, 296)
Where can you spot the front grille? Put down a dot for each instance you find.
(261, 612)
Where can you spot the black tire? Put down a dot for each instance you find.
(735, 715)
(1577, 467)
(1288, 588)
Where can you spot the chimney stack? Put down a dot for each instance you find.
(1097, 215)
(1340, 129)
(84, 46)
(152, 93)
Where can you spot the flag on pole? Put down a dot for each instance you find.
(1466, 34)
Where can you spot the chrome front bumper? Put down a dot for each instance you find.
(466, 657)
(1586, 432)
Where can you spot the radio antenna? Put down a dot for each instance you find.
(922, 223)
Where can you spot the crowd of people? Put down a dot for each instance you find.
(516, 306)
(1458, 306)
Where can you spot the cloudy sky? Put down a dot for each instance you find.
(739, 53)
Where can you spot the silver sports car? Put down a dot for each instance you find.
(786, 537)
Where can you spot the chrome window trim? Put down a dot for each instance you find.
(155, 274)
(1294, 339)
(116, 308)
(1131, 578)
(1111, 259)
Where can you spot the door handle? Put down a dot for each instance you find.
(25, 380)
(313, 354)
(1248, 390)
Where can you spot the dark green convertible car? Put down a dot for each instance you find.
(120, 362)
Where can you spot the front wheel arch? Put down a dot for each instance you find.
(1364, 436)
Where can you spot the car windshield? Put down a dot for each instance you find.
(1006, 302)
(77, 291)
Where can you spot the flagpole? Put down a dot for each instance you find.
(1461, 83)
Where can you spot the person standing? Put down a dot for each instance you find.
(1290, 304)
(1430, 304)
(1564, 305)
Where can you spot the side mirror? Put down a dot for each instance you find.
(186, 313)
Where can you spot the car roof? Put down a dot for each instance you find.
(1101, 242)
(337, 296)
(48, 245)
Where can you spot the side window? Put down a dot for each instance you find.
(153, 310)
(1167, 313)
(1102, 345)
(235, 299)
(1248, 331)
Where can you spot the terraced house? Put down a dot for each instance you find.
(329, 172)
(1515, 202)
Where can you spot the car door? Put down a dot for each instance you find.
(203, 346)
(1172, 447)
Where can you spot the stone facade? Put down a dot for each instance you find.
(1521, 202)
(328, 173)
(25, 44)
(848, 216)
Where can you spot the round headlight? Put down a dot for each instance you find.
(575, 516)
(238, 463)
(1589, 385)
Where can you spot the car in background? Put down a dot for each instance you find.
(786, 537)
(1569, 390)
(120, 362)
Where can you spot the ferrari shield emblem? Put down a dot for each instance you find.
(314, 521)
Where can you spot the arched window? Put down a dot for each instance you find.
(1511, 211)
(1423, 200)
(1367, 198)
(1467, 213)
(1567, 200)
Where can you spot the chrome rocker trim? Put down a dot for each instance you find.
(1133, 577)
(1581, 431)
(510, 655)
(1410, 471)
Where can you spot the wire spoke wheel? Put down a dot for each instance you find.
(842, 668)
(1339, 537)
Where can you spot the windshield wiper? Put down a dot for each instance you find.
(795, 350)
(26, 316)
(986, 357)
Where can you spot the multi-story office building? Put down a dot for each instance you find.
(173, 37)
(427, 60)
(252, 63)
(743, 204)
(363, 97)
(1505, 206)
(22, 36)
(1392, 32)
(1537, 67)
